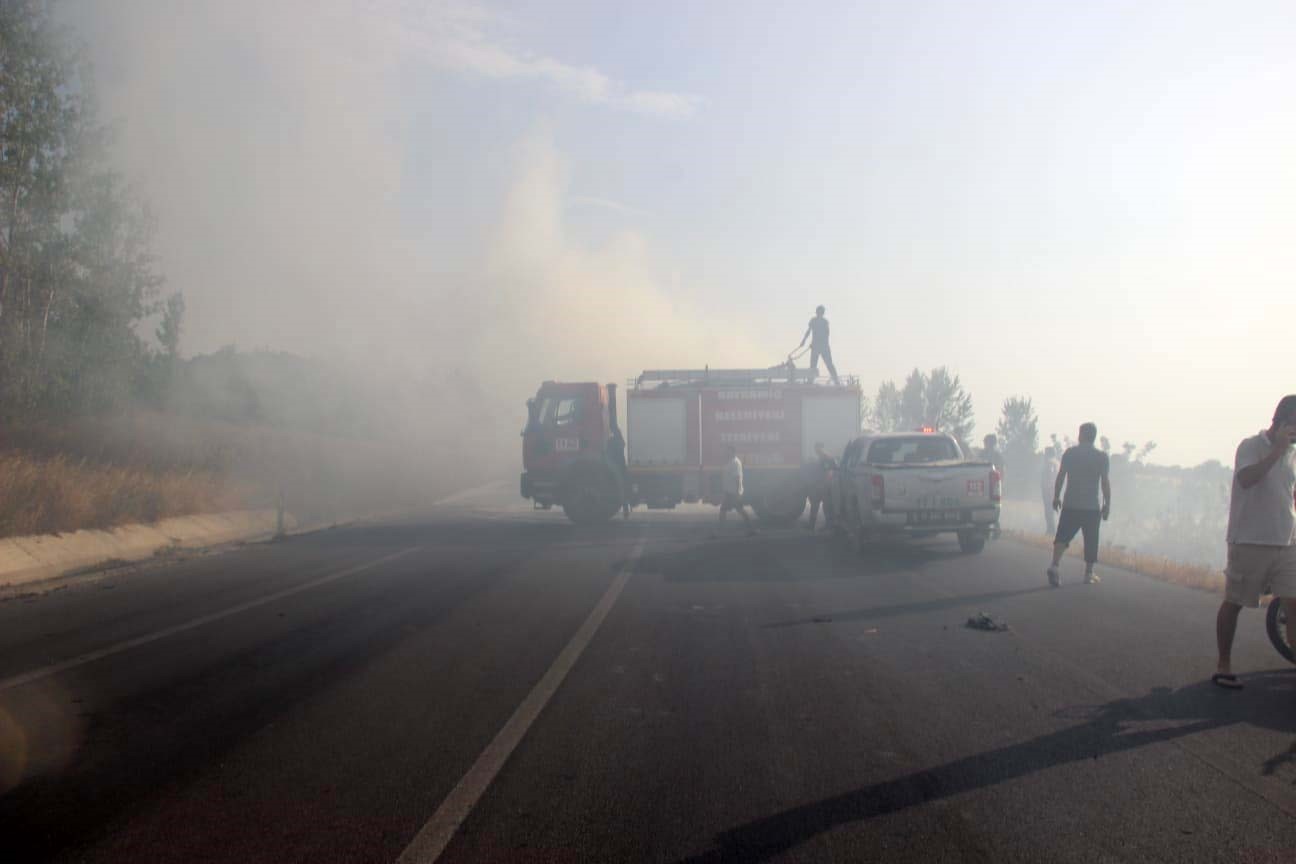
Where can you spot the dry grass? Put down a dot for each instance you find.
(1165, 569)
(55, 494)
(100, 472)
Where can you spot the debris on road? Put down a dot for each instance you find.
(985, 621)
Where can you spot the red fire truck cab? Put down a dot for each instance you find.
(678, 425)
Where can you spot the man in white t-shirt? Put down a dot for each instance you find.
(1261, 532)
(731, 479)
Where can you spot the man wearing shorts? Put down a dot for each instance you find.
(1084, 471)
(1262, 521)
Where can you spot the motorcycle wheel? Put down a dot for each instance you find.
(1276, 627)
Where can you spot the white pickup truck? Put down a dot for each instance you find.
(915, 484)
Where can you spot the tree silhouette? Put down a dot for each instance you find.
(886, 409)
(936, 399)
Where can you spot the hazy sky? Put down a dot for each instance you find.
(1087, 203)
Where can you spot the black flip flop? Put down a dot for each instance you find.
(1227, 681)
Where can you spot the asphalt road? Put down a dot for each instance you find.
(373, 691)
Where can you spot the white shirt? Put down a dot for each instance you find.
(1264, 514)
(733, 481)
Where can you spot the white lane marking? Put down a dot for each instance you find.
(436, 835)
(91, 656)
(471, 493)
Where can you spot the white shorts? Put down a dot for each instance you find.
(1254, 570)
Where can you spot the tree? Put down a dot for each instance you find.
(913, 401)
(866, 413)
(886, 408)
(76, 274)
(168, 331)
(936, 399)
(1018, 433)
(949, 406)
(1018, 427)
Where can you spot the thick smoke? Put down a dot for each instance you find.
(274, 142)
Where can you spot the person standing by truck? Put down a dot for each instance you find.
(817, 333)
(817, 475)
(616, 454)
(991, 453)
(1261, 532)
(731, 479)
(1084, 471)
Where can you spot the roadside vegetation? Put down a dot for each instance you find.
(1158, 567)
(63, 493)
(103, 420)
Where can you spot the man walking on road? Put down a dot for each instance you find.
(1048, 476)
(1084, 470)
(1261, 525)
(817, 333)
(732, 486)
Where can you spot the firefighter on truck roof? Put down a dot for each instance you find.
(817, 333)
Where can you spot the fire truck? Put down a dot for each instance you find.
(678, 425)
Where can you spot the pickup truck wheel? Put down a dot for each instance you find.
(972, 542)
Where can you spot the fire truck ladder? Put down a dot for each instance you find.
(784, 373)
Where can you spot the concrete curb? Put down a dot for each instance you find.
(47, 556)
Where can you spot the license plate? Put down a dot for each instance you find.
(927, 516)
(567, 445)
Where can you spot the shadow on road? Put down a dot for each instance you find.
(1109, 729)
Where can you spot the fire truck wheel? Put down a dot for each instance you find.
(971, 542)
(590, 495)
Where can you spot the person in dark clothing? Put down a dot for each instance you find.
(990, 452)
(817, 333)
(1084, 472)
(616, 450)
(818, 475)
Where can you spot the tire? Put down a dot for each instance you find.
(590, 495)
(972, 542)
(1276, 627)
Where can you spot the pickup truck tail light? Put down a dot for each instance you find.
(879, 491)
(996, 485)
